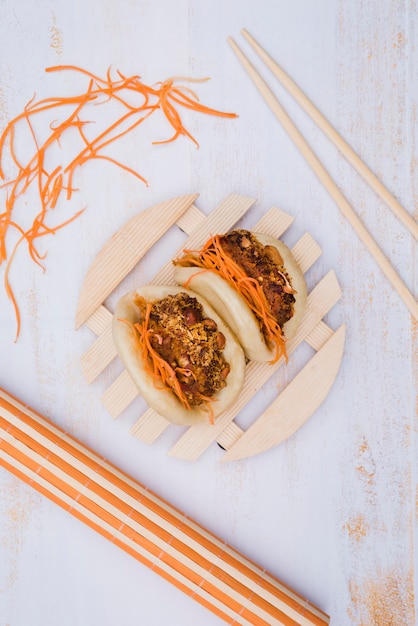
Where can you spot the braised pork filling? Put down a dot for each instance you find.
(265, 264)
(190, 343)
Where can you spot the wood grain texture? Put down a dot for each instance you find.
(295, 404)
(331, 511)
(123, 251)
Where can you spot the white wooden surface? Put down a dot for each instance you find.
(331, 511)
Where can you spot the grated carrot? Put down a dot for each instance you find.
(212, 257)
(51, 184)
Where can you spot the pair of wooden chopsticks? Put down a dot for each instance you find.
(321, 171)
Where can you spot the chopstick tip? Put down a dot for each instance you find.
(247, 36)
(233, 44)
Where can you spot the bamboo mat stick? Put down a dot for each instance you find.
(325, 178)
(144, 525)
(340, 143)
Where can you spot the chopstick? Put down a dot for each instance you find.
(319, 169)
(332, 134)
(145, 526)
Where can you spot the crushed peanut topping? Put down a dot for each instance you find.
(190, 343)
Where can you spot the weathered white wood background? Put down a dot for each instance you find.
(331, 512)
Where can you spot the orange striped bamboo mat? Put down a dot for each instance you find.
(144, 525)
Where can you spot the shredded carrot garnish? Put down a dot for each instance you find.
(163, 375)
(212, 257)
(161, 371)
(138, 101)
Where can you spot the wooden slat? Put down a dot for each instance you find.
(229, 436)
(319, 335)
(274, 222)
(150, 427)
(119, 394)
(99, 320)
(123, 251)
(99, 355)
(295, 403)
(306, 252)
(191, 219)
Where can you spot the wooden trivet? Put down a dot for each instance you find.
(291, 408)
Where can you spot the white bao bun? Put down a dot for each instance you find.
(233, 308)
(164, 401)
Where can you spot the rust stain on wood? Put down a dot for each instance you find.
(56, 36)
(366, 466)
(357, 527)
(387, 600)
(18, 503)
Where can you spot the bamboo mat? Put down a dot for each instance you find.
(144, 525)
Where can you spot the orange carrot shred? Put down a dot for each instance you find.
(157, 367)
(139, 102)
